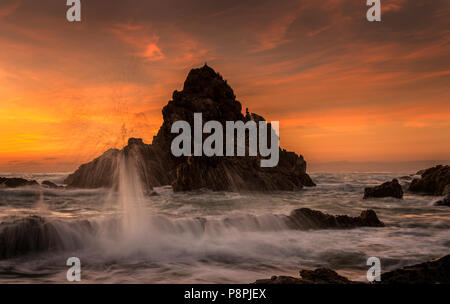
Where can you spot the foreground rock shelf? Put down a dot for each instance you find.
(432, 272)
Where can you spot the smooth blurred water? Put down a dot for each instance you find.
(241, 241)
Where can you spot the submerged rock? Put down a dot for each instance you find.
(434, 181)
(207, 92)
(32, 234)
(387, 189)
(49, 184)
(35, 234)
(305, 218)
(15, 182)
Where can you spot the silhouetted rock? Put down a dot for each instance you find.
(15, 182)
(49, 184)
(387, 189)
(434, 181)
(443, 202)
(204, 91)
(433, 272)
(306, 218)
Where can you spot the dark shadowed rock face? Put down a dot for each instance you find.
(433, 272)
(16, 182)
(101, 172)
(387, 189)
(305, 218)
(444, 202)
(434, 181)
(207, 92)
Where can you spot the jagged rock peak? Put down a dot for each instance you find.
(206, 92)
(205, 82)
(135, 141)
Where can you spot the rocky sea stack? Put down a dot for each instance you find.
(207, 92)
(387, 189)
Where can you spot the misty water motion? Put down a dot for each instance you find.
(124, 235)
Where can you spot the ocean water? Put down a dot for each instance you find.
(125, 236)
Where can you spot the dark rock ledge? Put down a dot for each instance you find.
(15, 182)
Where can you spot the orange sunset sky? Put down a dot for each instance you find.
(341, 87)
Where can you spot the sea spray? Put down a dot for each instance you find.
(41, 206)
(131, 197)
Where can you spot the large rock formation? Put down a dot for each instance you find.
(387, 189)
(204, 91)
(434, 181)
